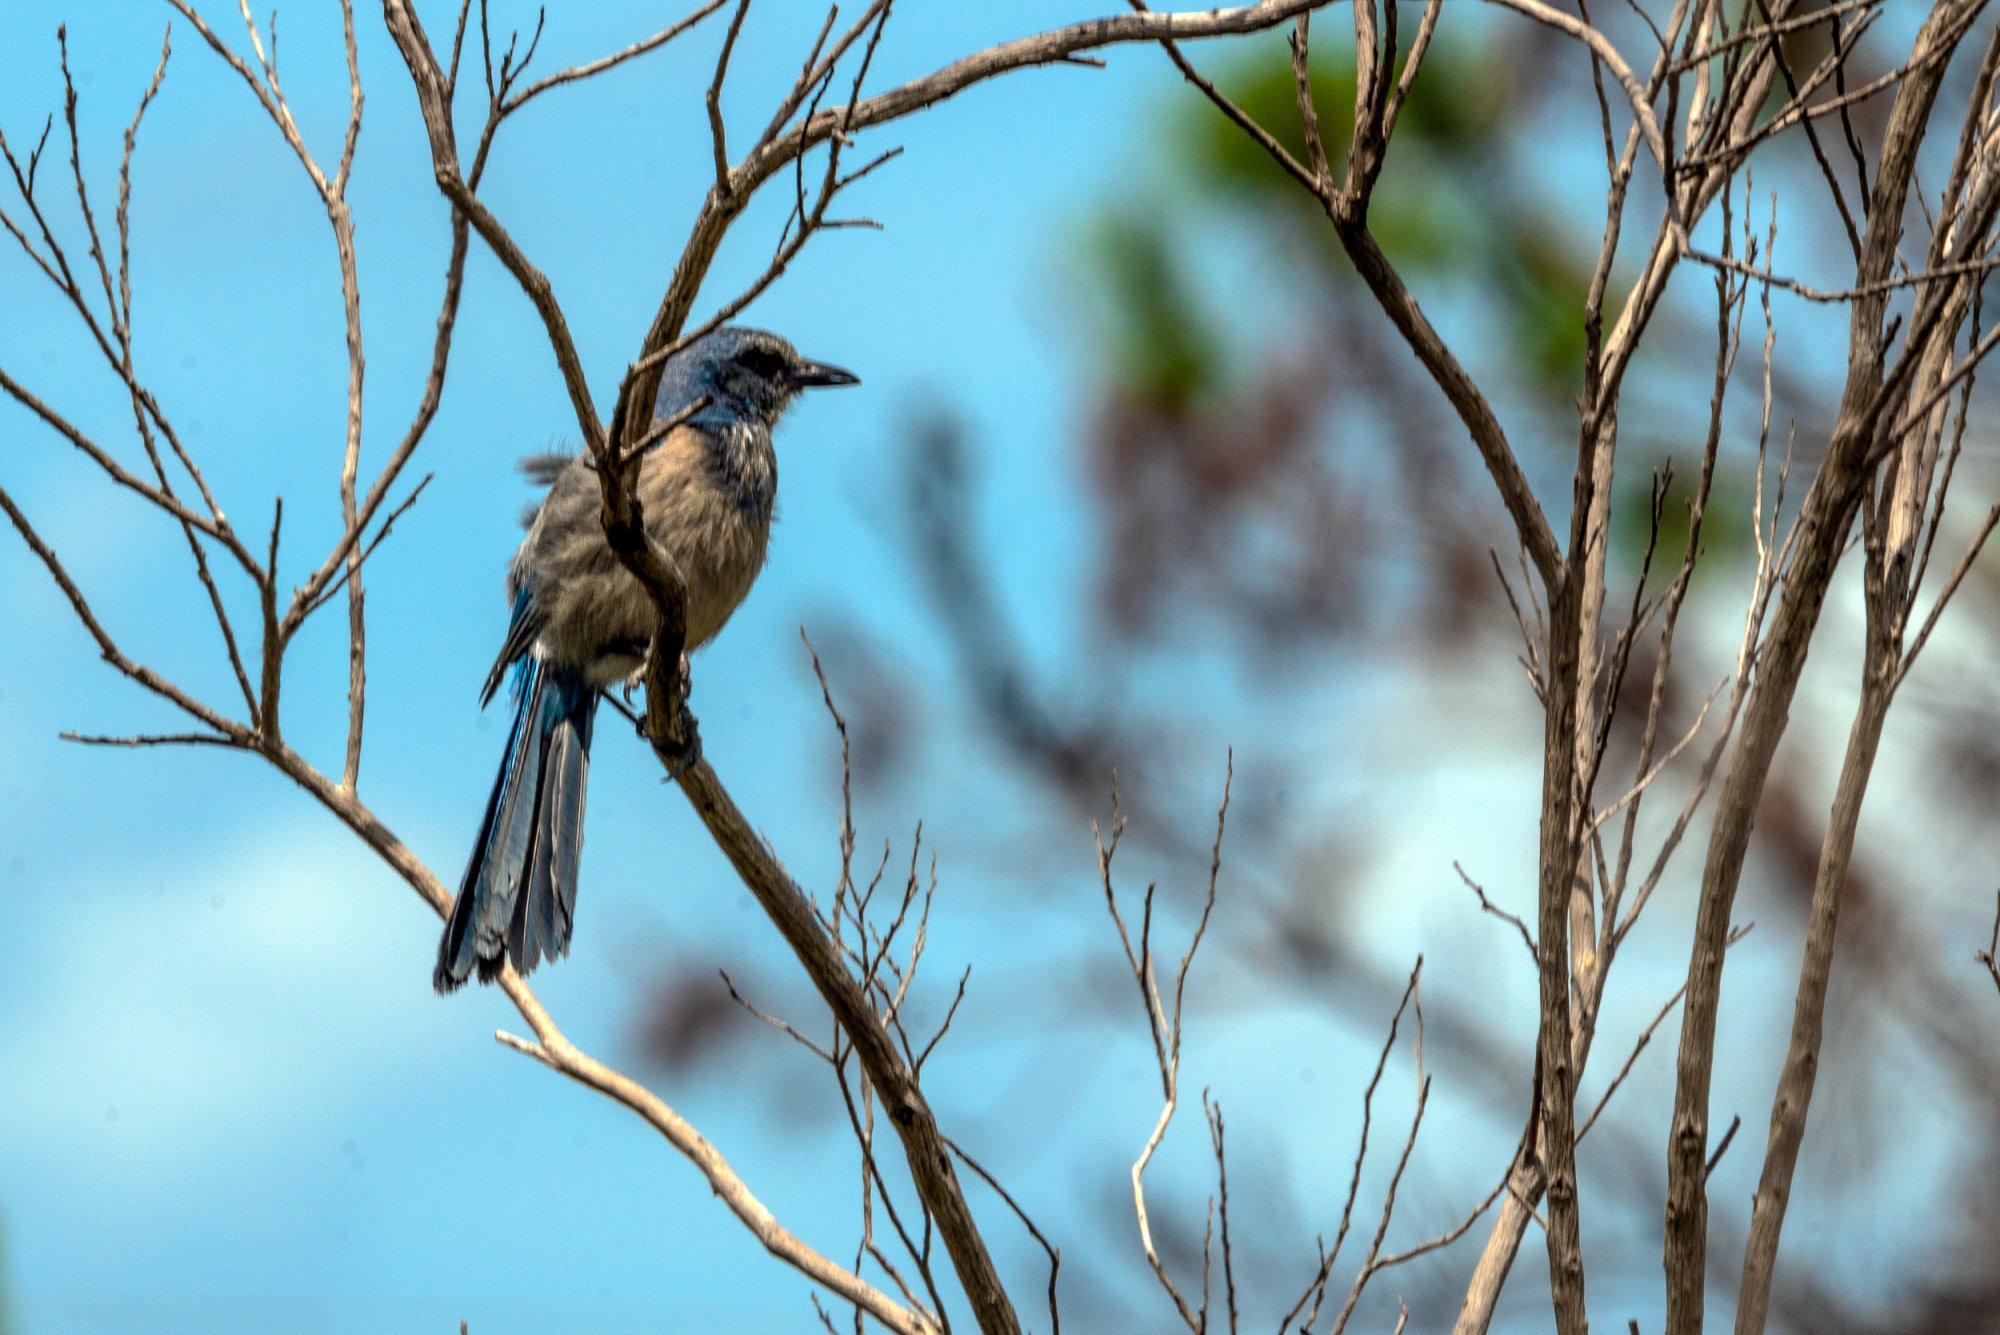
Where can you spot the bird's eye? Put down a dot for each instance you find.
(761, 362)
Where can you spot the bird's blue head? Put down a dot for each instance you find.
(746, 375)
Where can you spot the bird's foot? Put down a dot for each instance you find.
(682, 755)
(679, 745)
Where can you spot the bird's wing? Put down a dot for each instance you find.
(521, 633)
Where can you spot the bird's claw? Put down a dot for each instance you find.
(679, 757)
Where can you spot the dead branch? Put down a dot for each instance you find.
(1163, 1020)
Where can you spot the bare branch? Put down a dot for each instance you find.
(152, 739)
(118, 473)
(1722, 1147)
(1048, 1249)
(1487, 905)
(1821, 540)
(1370, 1264)
(1983, 265)
(718, 138)
(1645, 1037)
(381, 535)
(1601, 48)
(1314, 179)
(575, 73)
(1958, 574)
(106, 646)
(554, 1051)
(1218, 1141)
(781, 1026)
(1163, 1022)
(1315, 1290)
(1988, 955)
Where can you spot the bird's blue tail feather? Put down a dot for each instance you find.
(518, 897)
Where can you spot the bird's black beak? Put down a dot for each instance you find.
(815, 375)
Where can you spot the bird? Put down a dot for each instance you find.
(582, 622)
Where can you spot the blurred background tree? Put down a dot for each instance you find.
(1289, 551)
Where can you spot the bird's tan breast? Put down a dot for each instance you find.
(713, 516)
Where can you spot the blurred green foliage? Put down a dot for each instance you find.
(1264, 86)
(1163, 345)
(1448, 210)
(1725, 529)
(1454, 113)
(1479, 238)
(1544, 288)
